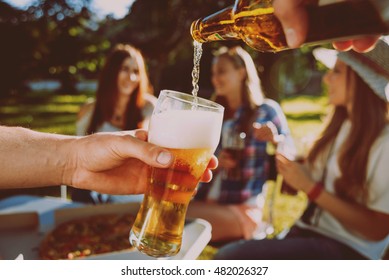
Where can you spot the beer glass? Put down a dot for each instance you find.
(296, 152)
(189, 127)
(233, 142)
(282, 204)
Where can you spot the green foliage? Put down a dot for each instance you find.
(43, 111)
(47, 40)
(61, 39)
(305, 114)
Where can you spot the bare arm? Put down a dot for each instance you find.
(115, 163)
(30, 158)
(373, 225)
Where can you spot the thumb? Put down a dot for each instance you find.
(150, 154)
(293, 17)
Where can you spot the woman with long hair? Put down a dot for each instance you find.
(345, 176)
(124, 97)
(124, 101)
(230, 203)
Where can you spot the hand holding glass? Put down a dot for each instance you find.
(295, 151)
(190, 128)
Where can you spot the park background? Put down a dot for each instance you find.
(51, 53)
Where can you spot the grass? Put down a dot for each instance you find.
(43, 111)
(305, 114)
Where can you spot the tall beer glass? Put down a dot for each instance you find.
(190, 128)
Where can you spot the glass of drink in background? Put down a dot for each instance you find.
(282, 205)
(295, 150)
(189, 127)
(233, 142)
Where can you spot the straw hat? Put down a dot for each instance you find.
(372, 67)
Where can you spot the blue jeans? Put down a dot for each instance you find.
(299, 244)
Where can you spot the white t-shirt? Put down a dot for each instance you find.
(83, 122)
(82, 125)
(378, 184)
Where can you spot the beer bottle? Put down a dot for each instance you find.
(254, 22)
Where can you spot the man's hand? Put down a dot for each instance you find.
(293, 17)
(117, 163)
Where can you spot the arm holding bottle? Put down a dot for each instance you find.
(293, 17)
(114, 163)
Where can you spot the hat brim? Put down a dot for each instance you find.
(326, 56)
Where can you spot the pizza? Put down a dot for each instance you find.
(87, 236)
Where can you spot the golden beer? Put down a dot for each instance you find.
(191, 133)
(160, 221)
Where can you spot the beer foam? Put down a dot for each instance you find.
(186, 129)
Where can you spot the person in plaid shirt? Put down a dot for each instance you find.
(255, 165)
(231, 203)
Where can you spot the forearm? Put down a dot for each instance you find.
(31, 159)
(357, 218)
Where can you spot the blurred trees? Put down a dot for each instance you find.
(161, 29)
(64, 40)
(64, 36)
(16, 55)
(51, 39)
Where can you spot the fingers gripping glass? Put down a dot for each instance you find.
(189, 127)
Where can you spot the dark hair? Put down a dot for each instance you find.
(107, 91)
(252, 92)
(368, 111)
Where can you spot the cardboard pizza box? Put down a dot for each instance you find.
(19, 221)
(21, 233)
(68, 214)
(197, 232)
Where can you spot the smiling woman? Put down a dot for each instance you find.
(123, 99)
(123, 102)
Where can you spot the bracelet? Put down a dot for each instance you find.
(314, 193)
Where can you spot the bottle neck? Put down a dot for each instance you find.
(196, 33)
(216, 27)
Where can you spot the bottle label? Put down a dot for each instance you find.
(215, 37)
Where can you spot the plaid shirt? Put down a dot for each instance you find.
(255, 165)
